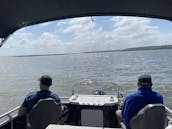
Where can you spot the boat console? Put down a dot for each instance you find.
(99, 100)
(87, 108)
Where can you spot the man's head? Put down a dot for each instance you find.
(145, 80)
(45, 82)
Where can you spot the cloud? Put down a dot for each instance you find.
(61, 23)
(45, 24)
(82, 34)
(126, 32)
(134, 31)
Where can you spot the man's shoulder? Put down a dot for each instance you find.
(54, 95)
(157, 93)
(133, 95)
(31, 95)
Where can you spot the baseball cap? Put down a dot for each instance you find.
(145, 80)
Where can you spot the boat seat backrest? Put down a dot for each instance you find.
(45, 112)
(152, 116)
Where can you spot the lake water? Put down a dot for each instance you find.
(19, 75)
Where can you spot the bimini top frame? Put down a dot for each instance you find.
(15, 14)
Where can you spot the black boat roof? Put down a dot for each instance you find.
(15, 14)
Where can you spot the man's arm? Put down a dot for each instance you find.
(22, 111)
(127, 110)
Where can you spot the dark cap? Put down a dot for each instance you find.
(145, 80)
(46, 80)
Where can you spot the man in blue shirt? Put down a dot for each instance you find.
(32, 98)
(135, 102)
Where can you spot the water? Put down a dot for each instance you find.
(19, 75)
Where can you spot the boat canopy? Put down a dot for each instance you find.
(15, 14)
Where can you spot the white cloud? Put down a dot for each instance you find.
(126, 32)
(48, 39)
(61, 23)
(45, 24)
(134, 31)
(86, 35)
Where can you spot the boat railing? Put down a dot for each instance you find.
(10, 116)
(169, 111)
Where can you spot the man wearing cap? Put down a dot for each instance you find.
(135, 102)
(32, 98)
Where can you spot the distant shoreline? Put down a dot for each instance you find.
(147, 48)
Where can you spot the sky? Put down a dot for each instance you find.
(88, 34)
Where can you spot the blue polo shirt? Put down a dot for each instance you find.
(32, 98)
(135, 102)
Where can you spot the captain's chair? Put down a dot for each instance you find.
(152, 116)
(45, 112)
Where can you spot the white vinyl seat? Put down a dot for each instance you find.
(45, 112)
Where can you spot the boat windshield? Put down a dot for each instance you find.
(92, 87)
